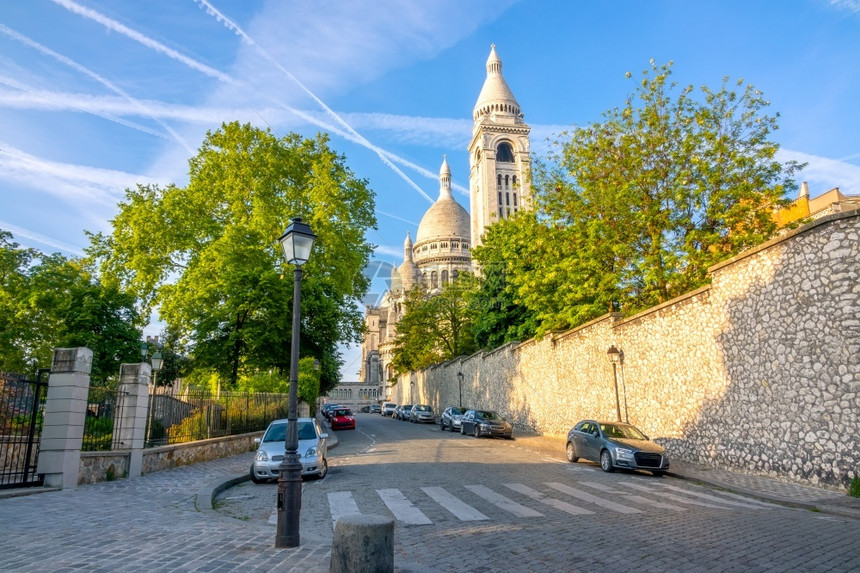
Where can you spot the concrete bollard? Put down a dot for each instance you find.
(363, 544)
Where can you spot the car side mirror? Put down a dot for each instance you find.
(324, 436)
(596, 434)
(258, 440)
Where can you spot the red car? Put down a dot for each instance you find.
(342, 419)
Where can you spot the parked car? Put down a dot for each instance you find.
(485, 423)
(327, 408)
(451, 417)
(375, 409)
(313, 449)
(403, 411)
(342, 419)
(422, 413)
(615, 445)
(389, 409)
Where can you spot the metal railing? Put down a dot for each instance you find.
(190, 415)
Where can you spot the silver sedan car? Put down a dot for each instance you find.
(615, 445)
(313, 449)
(450, 418)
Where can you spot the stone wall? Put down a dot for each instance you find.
(757, 372)
(105, 466)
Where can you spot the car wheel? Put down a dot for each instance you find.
(254, 477)
(606, 461)
(442, 427)
(477, 431)
(571, 453)
(323, 469)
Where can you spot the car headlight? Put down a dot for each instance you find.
(261, 456)
(312, 452)
(485, 426)
(623, 453)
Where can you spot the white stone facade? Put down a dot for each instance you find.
(758, 372)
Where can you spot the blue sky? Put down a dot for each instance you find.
(98, 95)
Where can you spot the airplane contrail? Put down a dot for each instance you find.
(51, 97)
(386, 157)
(230, 25)
(107, 83)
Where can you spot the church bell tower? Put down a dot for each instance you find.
(499, 157)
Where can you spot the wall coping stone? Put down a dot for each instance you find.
(784, 237)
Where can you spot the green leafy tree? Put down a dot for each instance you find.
(309, 382)
(434, 328)
(637, 207)
(49, 301)
(207, 254)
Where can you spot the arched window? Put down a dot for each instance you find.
(455, 274)
(505, 153)
(500, 197)
(434, 280)
(445, 277)
(507, 182)
(499, 180)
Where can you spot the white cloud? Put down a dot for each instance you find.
(20, 233)
(823, 173)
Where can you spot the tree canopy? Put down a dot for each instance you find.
(49, 301)
(206, 255)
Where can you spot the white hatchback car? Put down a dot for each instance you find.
(313, 449)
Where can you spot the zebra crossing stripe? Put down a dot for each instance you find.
(341, 503)
(585, 496)
(402, 508)
(673, 497)
(550, 501)
(632, 497)
(503, 502)
(714, 498)
(460, 509)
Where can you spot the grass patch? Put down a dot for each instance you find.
(854, 488)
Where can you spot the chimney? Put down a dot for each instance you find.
(804, 191)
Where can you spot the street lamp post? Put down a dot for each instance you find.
(156, 361)
(615, 357)
(297, 241)
(460, 382)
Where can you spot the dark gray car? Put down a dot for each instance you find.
(615, 445)
(485, 423)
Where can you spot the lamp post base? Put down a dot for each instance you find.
(289, 502)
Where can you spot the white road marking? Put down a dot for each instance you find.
(402, 508)
(631, 497)
(503, 502)
(673, 497)
(341, 503)
(585, 496)
(550, 501)
(460, 509)
(722, 500)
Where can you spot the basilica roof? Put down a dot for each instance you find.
(496, 96)
(445, 219)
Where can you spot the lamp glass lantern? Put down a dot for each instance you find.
(157, 360)
(614, 354)
(297, 241)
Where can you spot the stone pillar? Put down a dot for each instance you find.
(65, 412)
(132, 413)
(363, 544)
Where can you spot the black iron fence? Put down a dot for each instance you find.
(189, 415)
(103, 422)
(22, 405)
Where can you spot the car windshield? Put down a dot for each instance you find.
(487, 415)
(278, 432)
(456, 412)
(423, 408)
(342, 413)
(622, 431)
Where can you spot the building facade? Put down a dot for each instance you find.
(499, 161)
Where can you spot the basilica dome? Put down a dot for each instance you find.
(445, 219)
